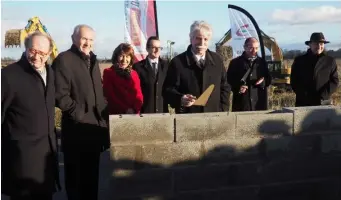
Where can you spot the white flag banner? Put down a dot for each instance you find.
(243, 26)
(141, 23)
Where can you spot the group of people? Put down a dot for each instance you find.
(30, 90)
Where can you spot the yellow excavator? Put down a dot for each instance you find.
(279, 71)
(15, 37)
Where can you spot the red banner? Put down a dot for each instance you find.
(141, 23)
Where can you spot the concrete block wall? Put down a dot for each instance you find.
(294, 153)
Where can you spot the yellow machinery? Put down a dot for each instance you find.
(279, 71)
(15, 37)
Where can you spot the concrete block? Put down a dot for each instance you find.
(300, 168)
(264, 125)
(300, 190)
(204, 126)
(172, 155)
(222, 151)
(291, 146)
(316, 119)
(331, 143)
(215, 176)
(125, 157)
(253, 112)
(134, 129)
(240, 193)
(154, 182)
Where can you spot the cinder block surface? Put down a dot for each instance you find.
(125, 157)
(264, 125)
(331, 143)
(316, 119)
(222, 151)
(300, 190)
(204, 126)
(292, 146)
(176, 154)
(300, 168)
(133, 129)
(240, 193)
(216, 176)
(253, 112)
(154, 182)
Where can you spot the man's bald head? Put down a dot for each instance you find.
(250, 40)
(251, 46)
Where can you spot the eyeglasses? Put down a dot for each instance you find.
(158, 48)
(251, 48)
(40, 53)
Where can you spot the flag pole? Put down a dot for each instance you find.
(156, 24)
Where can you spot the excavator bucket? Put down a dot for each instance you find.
(12, 38)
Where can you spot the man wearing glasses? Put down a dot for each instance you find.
(152, 72)
(249, 78)
(29, 159)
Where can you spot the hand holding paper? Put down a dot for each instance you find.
(188, 100)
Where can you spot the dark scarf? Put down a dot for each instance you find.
(250, 60)
(313, 59)
(86, 58)
(310, 69)
(124, 73)
(310, 53)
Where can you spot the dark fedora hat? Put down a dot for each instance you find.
(317, 37)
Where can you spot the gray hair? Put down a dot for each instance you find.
(29, 38)
(77, 29)
(200, 26)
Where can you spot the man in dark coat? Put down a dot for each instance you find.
(249, 78)
(84, 132)
(29, 163)
(314, 76)
(152, 72)
(193, 71)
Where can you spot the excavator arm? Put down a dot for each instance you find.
(15, 37)
(268, 42)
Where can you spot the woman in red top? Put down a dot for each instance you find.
(121, 84)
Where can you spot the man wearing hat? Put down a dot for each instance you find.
(314, 76)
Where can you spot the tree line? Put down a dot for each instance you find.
(291, 54)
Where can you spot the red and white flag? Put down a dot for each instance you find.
(243, 25)
(141, 23)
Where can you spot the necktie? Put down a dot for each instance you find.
(154, 67)
(201, 63)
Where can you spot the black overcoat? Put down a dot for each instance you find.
(79, 94)
(151, 86)
(28, 140)
(256, 96)
(184, 76)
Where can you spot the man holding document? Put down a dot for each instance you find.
(197, 72)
